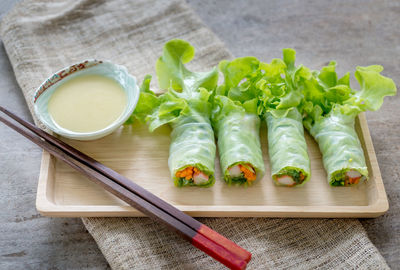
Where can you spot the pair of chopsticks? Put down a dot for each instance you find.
(198, 234)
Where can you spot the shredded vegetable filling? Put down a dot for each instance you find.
(193, 175)
(290, 178)
(346, 178)
(248, 173)
(242, 173)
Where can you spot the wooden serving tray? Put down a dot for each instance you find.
(142, 157)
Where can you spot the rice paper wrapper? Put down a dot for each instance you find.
(192, 144)
(339, 144)
(239, 141)
(286, 143)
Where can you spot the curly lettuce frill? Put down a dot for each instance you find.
(330, 114)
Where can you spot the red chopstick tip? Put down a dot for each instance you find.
(218, 252)
(228, 244)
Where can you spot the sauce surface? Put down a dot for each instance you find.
(87, 103)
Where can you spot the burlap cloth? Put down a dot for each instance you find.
(41, 37)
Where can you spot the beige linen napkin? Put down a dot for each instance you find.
(41, 37)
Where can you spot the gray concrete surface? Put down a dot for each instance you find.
(351, 32)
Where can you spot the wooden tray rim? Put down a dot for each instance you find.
(378, 208)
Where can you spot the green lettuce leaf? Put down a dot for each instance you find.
(186, 90)
(235, 71)
(148, 101)
(282, 85)
(172, 73)
(374, 87)
(238, 91)
(324, 92)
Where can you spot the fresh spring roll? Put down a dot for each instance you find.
(186, 107)
(281, 105)
(192, 151)
(290, 165)
(237, 123)
(330, 116)
(342, 154)
(239, 146)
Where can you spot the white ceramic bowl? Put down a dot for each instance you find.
(104, 68)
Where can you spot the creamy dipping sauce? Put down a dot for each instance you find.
(87, 103)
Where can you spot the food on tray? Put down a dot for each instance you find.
(186, 108)
(237, 123)
(331, 109)
(281, 105)
(87, 103)
(287, 96)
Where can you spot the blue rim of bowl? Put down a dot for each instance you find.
(75, 68)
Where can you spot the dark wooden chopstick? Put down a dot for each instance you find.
(204, 244)
(197, 233)
(90, 162)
